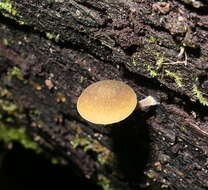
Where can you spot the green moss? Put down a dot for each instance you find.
(7, 6)
(82, 142)
(58, 161)
(199, 96)
(5, 93)
(102, 158)
(134, 62)
(7, 9)
(8, 135)
(5, 42)
(152, 70)
(159, 60)
(49, 36)
(175, 77)
(157, 70)
(82, 79)
(103, 154)
(183, 128)
(53, 36)
(17, 73)
(152, 40)
(7, 106)
(104, 182)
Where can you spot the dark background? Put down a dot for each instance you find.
(23, 169)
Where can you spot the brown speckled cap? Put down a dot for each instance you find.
(106, 102)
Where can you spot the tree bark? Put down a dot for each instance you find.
(51, 50)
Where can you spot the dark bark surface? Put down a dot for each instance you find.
(51, 50)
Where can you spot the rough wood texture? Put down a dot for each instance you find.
(51, 50)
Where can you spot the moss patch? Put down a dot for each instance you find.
(199, 95)
(175, 76)
(8, 10)
(154, 70)
(105, 183)
(7, 6)
(103, 154)
(8, 106)
(151, 69)
(82, 142)
(53, 36)
(5, 42)
(17, 73)
(8, 135)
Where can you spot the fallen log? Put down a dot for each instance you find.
(51, 50)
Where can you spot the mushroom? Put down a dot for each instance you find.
(110, 101)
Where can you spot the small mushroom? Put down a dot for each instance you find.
(109, 101)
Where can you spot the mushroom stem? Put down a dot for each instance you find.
(147, 102)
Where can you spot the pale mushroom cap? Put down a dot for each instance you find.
(106, 102)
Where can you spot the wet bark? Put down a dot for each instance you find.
(51, 50)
